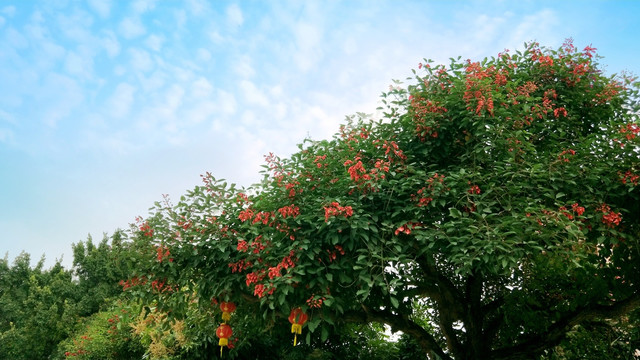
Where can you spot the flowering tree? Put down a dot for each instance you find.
(501, 195)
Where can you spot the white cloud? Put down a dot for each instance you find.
(80, 65)
(181, 18)
(234, 15)
(6, 135)
(242, 66)
(9, 10)
(201, 88)
(308, 37)
(226, 102)
(7, 117)
(60, 95)
(76, 26)
(154, 82)
(200, 112)
(198, 7)
(131, 28)
(110, 44)
(36, 29)
(216, 37)
(120, 102)
(142, 6)
(140, 60)
(252, 94)
(15, 39)
(154, 42)
(203, 55)
(102, 7)
(174, 97)
(540, 26)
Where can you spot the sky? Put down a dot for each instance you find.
(107, 105)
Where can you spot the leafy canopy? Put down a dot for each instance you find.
(501, 194)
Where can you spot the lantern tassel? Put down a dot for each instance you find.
(296, 329)
(223, 342)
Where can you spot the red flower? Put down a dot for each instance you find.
(560, 112)
(242, 246)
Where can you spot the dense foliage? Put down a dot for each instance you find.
(502, 195)
(491, 212)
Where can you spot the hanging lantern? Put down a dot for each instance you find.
(227, 308)
(297, 318)
(224, 332)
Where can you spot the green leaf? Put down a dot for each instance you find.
(394, 302)
(313, 324)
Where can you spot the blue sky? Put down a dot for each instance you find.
(106, 105)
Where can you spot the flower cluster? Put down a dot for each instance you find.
(254, 277)
(290, 210)
(406, 228)
(243, 246)
(134, 281)
(319, 161)
(630, 131)
(163, 252)
(474, 189)
(391, 148)
(564, 155)
(161, 286)
(333, 254)
(575, 208)
(315, 301)
(286, 263)
(609, 91)
(424, 196)
(423, 113)
(561, 111)
(478, 91)
(630, 178)
(239, 266)
(334, 209)
(609, 217)
(145, 228)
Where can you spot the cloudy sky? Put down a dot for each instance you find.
(106, 105)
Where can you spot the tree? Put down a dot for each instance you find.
(34, 305)
(99, 268)
(502, 195)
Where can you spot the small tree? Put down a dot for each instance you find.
(501, 195)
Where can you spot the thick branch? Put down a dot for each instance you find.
(449, 294)
(556, 333)
(474, 321)
(398, 322)
(450, 303)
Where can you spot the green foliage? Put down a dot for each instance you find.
(502, 194)
(34, 308)
(45, 313)
(99, 268)
(104, 335)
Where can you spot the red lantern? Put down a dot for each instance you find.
(297, 318)
(224, 332)
(227, 308)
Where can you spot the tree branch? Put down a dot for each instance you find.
(556, 332)
(397, 322)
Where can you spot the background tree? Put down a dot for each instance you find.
(501, 194)
(34, 307)
(99, 269)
